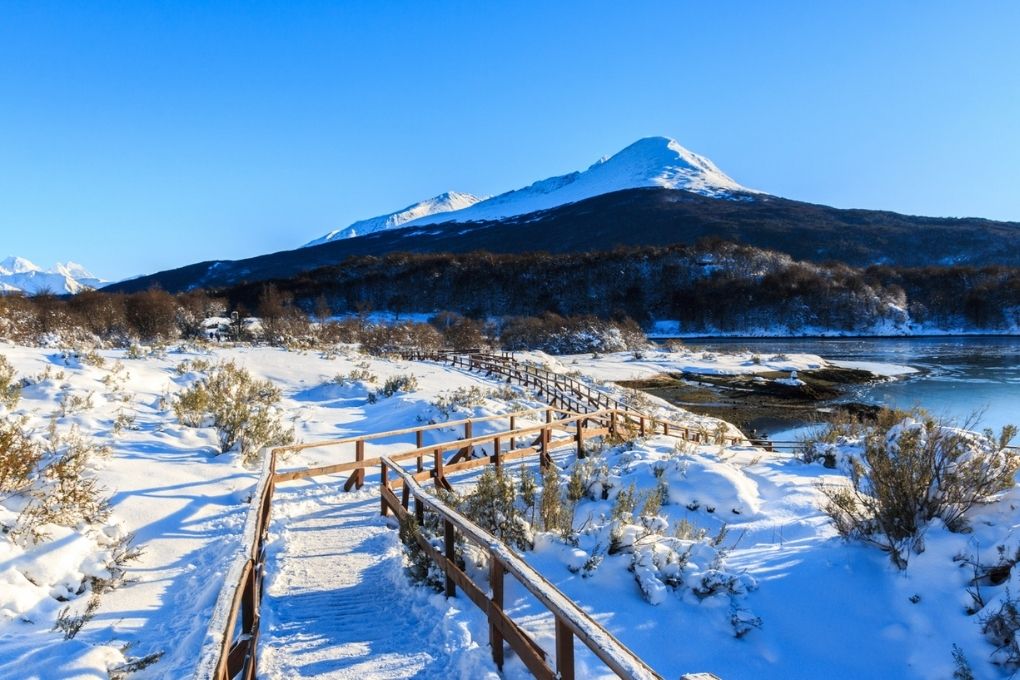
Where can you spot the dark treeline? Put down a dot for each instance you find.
(712, 286)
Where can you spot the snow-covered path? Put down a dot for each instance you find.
(338, 605)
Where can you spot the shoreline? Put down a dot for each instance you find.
(762, 403)
(656, 337)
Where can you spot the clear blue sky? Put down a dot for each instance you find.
(137, 136)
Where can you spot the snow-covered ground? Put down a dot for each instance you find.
(811, 605)
(646, 364)
(780, 595)
(169, 486)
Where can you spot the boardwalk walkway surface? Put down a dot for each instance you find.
(337, 604)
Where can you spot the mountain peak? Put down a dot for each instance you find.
(448, 201)
(663, 162)
(20, 275)
(18, 265)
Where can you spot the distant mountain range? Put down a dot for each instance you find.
(18, 275)
(654, 192)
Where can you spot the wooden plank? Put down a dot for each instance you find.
(315, 472)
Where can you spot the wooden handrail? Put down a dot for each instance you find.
(600, 641)
(292, 448)
(224, 654)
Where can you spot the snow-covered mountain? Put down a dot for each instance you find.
(650, 162)
(20, 275)
(443, 203)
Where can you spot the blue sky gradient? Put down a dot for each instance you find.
(138, 136)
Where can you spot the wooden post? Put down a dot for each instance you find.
(513, 426)
(564, 651)
(356, 478)
(665, 428)
(642, 420)
(612, 422)
(418, 445)
(384, 483)
(451, 547)
(495, 637)
(496, 445)
(360, 457)
(545, 458)
(405, 495)
(468, 432)
(580, 438)
(438, 464)
(419, 509)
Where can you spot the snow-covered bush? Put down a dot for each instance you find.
(492, 505)
(556, 515)
(1002, 628)
(399, 383)
(355, 376)
(419, 565)
(917, 470)
(242, 408)
(10, 388)
(571, 335)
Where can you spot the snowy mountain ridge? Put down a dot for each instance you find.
(19, 275)
(449, 201)
(650, 162)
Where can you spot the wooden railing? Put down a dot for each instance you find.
(570, 393)
(231, 642)
(578, 415)
(571, 621)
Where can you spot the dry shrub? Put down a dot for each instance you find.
(64, 493)
(381, 340)
(71, 624)
(242, 408)
(913, 472)
(152, 315)
(19, 457)
(283, 322)
(459, 332)
(346, 331)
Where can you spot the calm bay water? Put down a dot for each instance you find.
(956, 376)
